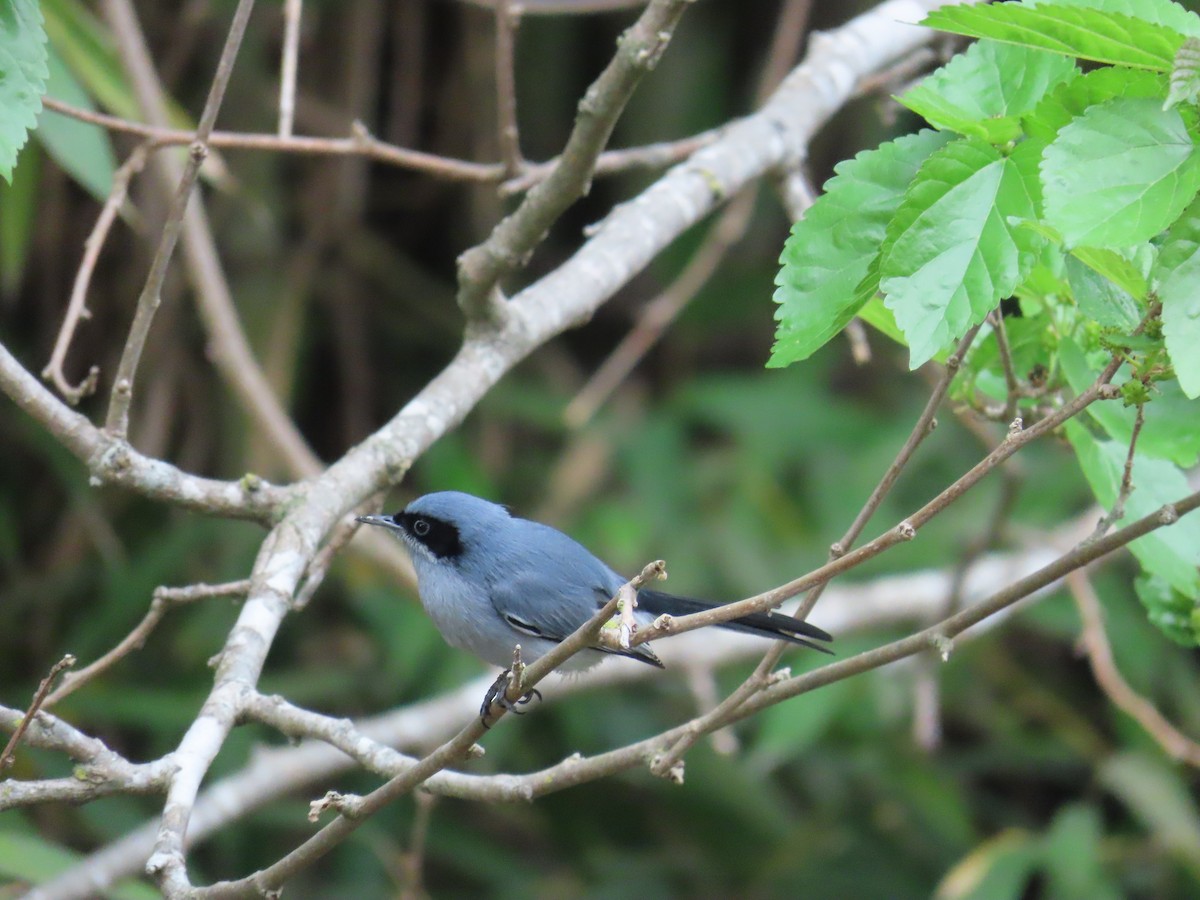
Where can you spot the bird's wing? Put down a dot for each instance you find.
(769, 624)
(530, 605)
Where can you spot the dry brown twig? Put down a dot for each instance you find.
(164, 599)
(117, 420)
(77, 306)
(38, 701)
(1174, 743)
(508, 20)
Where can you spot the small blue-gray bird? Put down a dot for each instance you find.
(490, 580)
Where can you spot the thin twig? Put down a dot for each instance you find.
(39, 698)
(1118, 509)
(77, 307)
(164, 599)
(611, 162)
(508, 19)
(117, 420)
(292, 10)
(481, 268)
(1176, 744)
(360, 143)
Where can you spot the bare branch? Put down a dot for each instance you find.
(112, 461)
(77, 307)
(1175, 743)
(1118, 510)
(481, 268)
(123, 17)
(164, 599)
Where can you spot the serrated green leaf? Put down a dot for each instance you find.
(1172, 553)
(830, 249)
(83, 150)
(1185, 76)
(1117, 268)
(1093, 34)
(1098, 298)
(1168, 609)
(22, 77)
(1160, 12)
(1177, 279)
(1171, 422)
(1119, 174)
(984, 91)
(951, 252)
(1070, 99)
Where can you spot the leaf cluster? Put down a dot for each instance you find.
(1061, 172)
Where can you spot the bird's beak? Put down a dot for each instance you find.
(385, 521)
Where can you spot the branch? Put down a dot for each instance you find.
(508, 19)
(8, 755)
(481, 268)
(117, 421)
(228, 347)
(164, 599)
(111, 460)
(1174, 743)
(77, 307)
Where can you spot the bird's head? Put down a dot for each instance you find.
(441, 527)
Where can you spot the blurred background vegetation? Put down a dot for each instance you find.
(343, 272)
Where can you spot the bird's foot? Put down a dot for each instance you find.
(498, 694)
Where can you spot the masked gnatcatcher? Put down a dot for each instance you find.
(490, 580)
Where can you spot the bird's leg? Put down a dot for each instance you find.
(498, 693)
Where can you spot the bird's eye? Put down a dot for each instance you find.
(420, 528)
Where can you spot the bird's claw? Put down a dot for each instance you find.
(497, 694)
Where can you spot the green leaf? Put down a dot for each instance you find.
(1185, 76)
(977, 94)
(83, 150)
(830, 249)
(1168, 609)
(951, 252)
(1093, 34)
(1070, 99)
(1173, 552)
(1169, 418)
(1160, 12)
(1100, 299)
(1119, 174)
(1177, 279)
(879, 317)
(22, 77)
(1120, 268)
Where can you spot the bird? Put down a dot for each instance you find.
(490, 580)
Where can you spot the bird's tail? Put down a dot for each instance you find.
(764, 624)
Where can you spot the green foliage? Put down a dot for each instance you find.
(22, 77)
(1074, 192)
